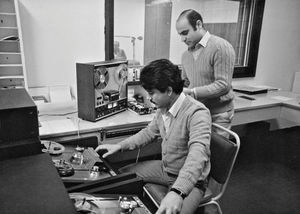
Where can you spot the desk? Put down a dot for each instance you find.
(124, 184)
(59, 120)
(109, 203)
(271, 105)
(82, 171)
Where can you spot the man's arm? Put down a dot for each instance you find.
(198, 156)
(223, 59)
(197, 160)
(143, 137)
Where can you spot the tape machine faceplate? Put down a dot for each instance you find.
(104, 89)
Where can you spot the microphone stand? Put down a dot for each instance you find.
(133, 43)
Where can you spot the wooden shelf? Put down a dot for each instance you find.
(11, 65)
(8, 14)
(12, 77)
(12, 61)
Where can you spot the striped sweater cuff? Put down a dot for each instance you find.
(194, 92)
(183, 185)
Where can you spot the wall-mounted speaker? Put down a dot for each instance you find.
(19, 129)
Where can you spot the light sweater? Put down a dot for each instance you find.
(211, 74)
(172, 112)
(186, 146)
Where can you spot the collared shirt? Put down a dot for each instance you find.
(169, 115)
(203, 42)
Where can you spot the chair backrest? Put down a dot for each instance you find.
(223, 155)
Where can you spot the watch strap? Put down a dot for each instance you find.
(183, 195)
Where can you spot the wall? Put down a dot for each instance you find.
(59, 33)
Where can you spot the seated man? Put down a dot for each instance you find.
(184, 124)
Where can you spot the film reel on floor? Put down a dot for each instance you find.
(101, 78)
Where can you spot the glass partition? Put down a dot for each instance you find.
(146, 31)
(129, 18)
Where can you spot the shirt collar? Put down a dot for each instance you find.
(176, 106)
(205, 39)
(202, 42)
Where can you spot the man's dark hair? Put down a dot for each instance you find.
(192, 16)
(160, 74)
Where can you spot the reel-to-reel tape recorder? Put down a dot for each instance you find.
(101, 89)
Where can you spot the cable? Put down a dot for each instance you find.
(138, 155)
(62, 114)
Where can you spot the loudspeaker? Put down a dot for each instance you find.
(101, 89)
(20, 148)
(18, 116)
(19, 130)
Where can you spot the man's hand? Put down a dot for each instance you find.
(171, 204)
(110, 149)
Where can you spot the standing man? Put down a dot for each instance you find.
(207, 68)
(184, 124)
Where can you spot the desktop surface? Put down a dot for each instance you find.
(83, 170)
(108, 203)
(60, 120)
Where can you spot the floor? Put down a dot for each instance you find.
(266, 176)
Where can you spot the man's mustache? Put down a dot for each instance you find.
(151, 100)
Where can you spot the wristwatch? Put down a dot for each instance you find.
(183, 195)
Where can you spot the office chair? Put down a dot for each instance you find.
(223, 155)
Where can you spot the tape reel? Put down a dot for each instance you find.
(52, 147)
(121, 74)
(101, 77)
(84, 203)
(64, 168)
